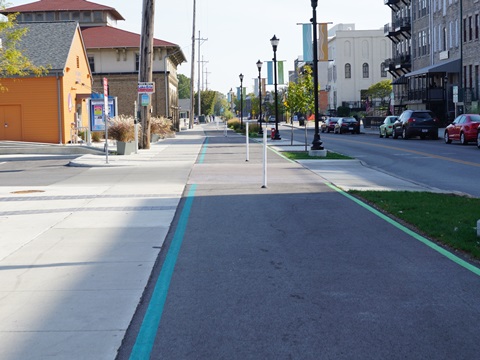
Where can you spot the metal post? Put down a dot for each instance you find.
(274, 42)
(264, 186)
(241, 101)
(317, 143)
(259, 66)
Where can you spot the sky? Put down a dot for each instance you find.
(238, 32)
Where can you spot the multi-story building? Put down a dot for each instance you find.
(439, 38)
(114, 53)
(356, 62)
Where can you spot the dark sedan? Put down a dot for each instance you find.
(347, 125)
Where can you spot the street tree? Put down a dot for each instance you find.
(380, 90)
(183, 87)
(12, 61)
(301, 95)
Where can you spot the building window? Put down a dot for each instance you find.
(27, 17)
(50, 16)
(348, 71)
(470, 28)
(477, 25)
(365, 71)
(86, 16)
(97, 16)
(137, 62)
(91, 62)
(64, 15)
(39, 17)
(383, 70)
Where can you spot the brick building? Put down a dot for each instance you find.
(113, 53)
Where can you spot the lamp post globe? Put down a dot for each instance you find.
(274, 41)
(259, 67)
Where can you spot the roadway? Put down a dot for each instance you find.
(448, 167)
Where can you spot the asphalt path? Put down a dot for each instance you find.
(297, 270)
(448, 167)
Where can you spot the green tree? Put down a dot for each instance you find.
(380, 90)
(12, 61)
(183, 87)
(301, 95)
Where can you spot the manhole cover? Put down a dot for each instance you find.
(28, 191)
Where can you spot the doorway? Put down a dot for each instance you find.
(11, 122)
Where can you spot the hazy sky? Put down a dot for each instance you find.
(239, 32)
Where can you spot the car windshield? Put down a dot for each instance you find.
(475, 118)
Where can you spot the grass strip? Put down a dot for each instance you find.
(303, 155)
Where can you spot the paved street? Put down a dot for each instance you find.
(297, 270)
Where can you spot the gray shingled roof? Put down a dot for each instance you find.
(47, 43)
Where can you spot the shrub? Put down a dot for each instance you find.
(121, 128)
(96, 136)
(234, 124)
(161, 126)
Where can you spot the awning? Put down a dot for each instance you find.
(452, 66)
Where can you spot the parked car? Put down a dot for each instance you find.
(347, 124)
(386, 129)
(478, 137)
(271, 119)
(329, 124)
(412, 123)
(464, 129)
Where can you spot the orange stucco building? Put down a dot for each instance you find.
(45, 108)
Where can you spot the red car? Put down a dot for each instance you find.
(464, 129)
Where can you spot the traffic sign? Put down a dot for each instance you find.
(146, 87)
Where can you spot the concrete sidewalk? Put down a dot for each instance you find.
(76, 256)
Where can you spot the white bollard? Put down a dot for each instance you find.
(248, 149)
(264, 186)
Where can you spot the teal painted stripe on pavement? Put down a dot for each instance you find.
(148, 330)
(202, 153)
(420, 238)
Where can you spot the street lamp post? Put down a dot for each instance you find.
(274, 41)
(317, 143)
(241, 100)
(259, 66)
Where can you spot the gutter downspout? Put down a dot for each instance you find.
(59, 111)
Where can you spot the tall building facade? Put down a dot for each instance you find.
(356, 62)
(434, 43)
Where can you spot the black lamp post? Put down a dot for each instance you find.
(241, 100)
(274, 41)
(259, 66)
(317, 143)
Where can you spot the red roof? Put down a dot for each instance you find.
(62, 5)
(101, 37)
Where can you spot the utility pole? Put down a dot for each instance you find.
(192, 71)
(145, 72)
(203, 73)
(199, 74)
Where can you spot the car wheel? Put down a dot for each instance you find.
(380, 134)
(386, 135)
(404, 134)
(478, 139)
(463, 139)
(394, 134)
(447, 139)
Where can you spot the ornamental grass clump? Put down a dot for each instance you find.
(162, 127)
(122, 128)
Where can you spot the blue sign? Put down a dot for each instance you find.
(97, 113)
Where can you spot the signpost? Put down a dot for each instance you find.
(106, 112)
